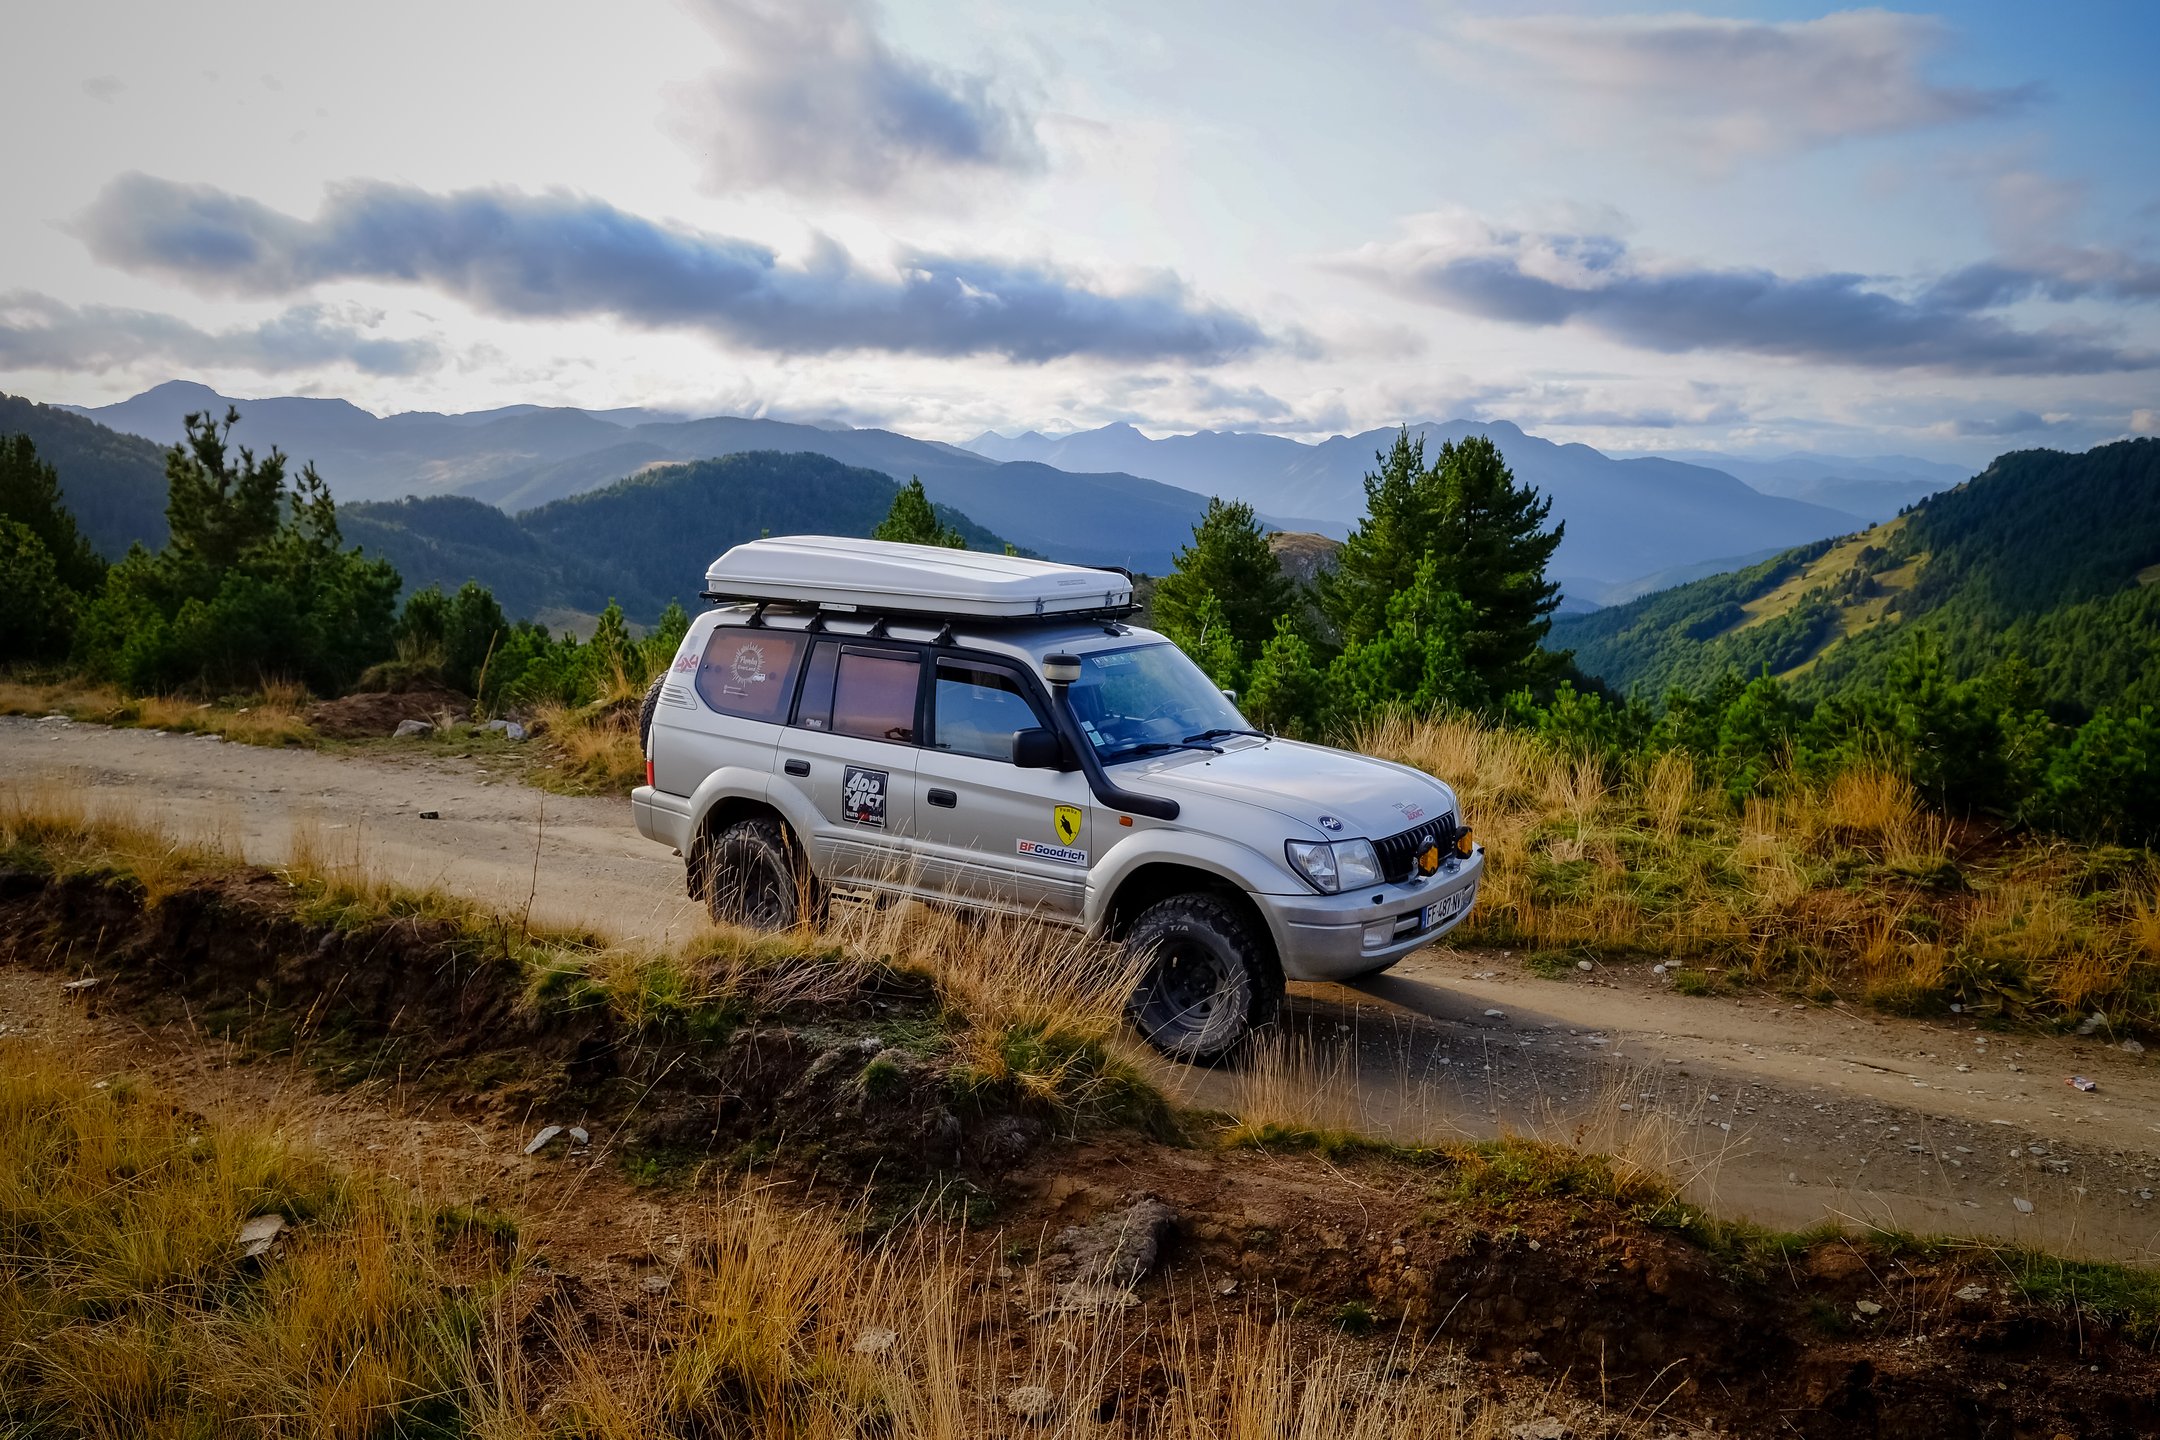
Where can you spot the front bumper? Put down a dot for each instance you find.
(1335, 937)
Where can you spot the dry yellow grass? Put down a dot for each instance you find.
(1847, 884)
(275, 717)
(128, 1309)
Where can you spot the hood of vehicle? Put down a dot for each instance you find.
(1309, 784)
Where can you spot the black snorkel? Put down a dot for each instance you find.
(1060, 672)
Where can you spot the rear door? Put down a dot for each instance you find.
(852, 750)
(990, 832)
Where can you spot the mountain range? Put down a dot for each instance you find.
(522, 457)
(1107, 496)
(1627, 518)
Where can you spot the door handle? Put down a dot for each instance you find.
(944, 799)
(797, 767)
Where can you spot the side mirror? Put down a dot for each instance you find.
(1230, 695)
(1037, 750)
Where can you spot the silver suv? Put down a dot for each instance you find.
(857, 716)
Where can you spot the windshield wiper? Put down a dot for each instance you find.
(1222, 731)
(1150, 747)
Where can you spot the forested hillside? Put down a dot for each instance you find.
(113, 484)
(2046, 556)
(643, 541)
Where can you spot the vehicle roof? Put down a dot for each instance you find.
(1029, 641)
(843, 573)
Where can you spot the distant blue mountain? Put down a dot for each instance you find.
(1625, 518)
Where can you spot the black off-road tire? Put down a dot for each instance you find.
(755, 875)
(1211, 980)
(644, 717)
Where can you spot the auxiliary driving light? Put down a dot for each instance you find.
(1463, 844)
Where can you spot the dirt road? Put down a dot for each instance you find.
(1780, 1112)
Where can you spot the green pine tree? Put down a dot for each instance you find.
(1284, 688)
(1414, 661)
(1486, 537)
(30, 496)
(1229, 561)
(913, 520)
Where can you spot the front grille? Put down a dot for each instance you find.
(1398, 853)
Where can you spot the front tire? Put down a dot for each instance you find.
(1209, 983)
(755, 876)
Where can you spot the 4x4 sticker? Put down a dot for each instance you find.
(1059, 853)
(1068, 822)
(862, 796)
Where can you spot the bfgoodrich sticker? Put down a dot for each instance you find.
(862, 796)
(1059, 853)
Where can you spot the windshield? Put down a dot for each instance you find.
(1149, 699)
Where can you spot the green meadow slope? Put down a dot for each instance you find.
(2049, 556)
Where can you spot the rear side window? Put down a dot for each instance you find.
(749, 673)
(978, 709)
(862, 691)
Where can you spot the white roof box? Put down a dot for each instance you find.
(838, 573)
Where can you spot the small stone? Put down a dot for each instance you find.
(540, 1141)
(1496, 1014)
(1077, 1298)
(2092, 1022)
(579, 1135)
(1657, 969)
(875, 1341)
(870, 1045)
(412, 730)
(1227, 1287)
(1031, 1402)
(1534, 1245)
(258, 1234)
(1122, 1247)
(508, 729)
(87, 982)
(1584, 965)
(1972, 1292)
(2024, 1206)
(1867, 1307)
(657, 1284)
(1547, 1428)
(2131, 1047)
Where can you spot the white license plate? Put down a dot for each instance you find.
(1448, 907)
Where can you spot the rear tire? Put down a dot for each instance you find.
(1210, 981)
(644, 717)
(755, 876)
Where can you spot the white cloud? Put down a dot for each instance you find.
(1724, 88)
(813, 99)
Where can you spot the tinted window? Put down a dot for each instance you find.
(749, 673)
(874, 694)
(814, 710)
(978, 709)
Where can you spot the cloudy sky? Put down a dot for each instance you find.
(1758, 227)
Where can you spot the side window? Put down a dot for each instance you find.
(749, 674)
(872, 696)
(978, 709)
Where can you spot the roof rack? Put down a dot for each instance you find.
(885, 578)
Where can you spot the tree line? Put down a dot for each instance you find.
(1439, 601)
(254, 583)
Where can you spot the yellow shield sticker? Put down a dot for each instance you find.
(1068, 823)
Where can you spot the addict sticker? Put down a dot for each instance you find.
(1068, 822)
(862, 796)
(1059, 853)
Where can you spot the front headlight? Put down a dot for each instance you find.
(1329, 868)
(1315, 860)
(1356, 864)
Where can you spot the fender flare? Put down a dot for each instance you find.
(1239, 866)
